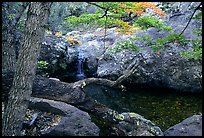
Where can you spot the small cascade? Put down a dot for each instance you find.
(80, 71)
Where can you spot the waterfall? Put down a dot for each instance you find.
(80, 71)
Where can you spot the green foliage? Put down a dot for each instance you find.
(148, 21)
(159, 43)
(177, 38)
(115, 13)
(196, 52)
(42, 64)
(85, 18)
(128, 44)
(61, 10)
(93, 19)
(42, 68)
(198, 16)
(21, 24)
(11, 16)
(198, 31)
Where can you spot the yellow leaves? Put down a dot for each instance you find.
(73, 41)
(58, 34)
(127, 10)
(125, 28)
(139, 8)
(156, 10)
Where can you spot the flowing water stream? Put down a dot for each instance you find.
(80, 71)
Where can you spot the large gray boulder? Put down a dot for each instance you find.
(166, 69)
(73, 122)
(191, 126)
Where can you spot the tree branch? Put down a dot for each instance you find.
(96, 5)
(116, 84)
(197, 8)
(19, 13)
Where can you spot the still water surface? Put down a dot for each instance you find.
(163, 107)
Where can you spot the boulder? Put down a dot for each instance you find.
(56, 51)
(191, 126)
(74, 122)
(134, 124)
(165, 69)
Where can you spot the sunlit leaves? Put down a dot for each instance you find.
(115, 12)
(139, 8)
(73, 41)
(148, 21)
(58, 34)
(42, 64)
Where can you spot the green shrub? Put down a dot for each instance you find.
(42, 64)
(148, 21)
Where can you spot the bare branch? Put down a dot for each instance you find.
(197, 8)
(92, 3)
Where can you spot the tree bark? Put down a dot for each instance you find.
(21, 89)
(9, 28)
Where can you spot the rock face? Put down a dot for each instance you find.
(74, 122)
(191, 126)
(165, 69)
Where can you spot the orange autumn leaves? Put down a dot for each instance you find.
(138, 8)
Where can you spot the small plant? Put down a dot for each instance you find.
(42, 64)
(196, 53)
(42, 68)
(128, 44)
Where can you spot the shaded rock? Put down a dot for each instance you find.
(73, 33)
(88, 37)
(191, 126)
(134, 124)
(90, 66)
(56, 51)
(73, 122)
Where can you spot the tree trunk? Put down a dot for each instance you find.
(21, 89)
(9, 28)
